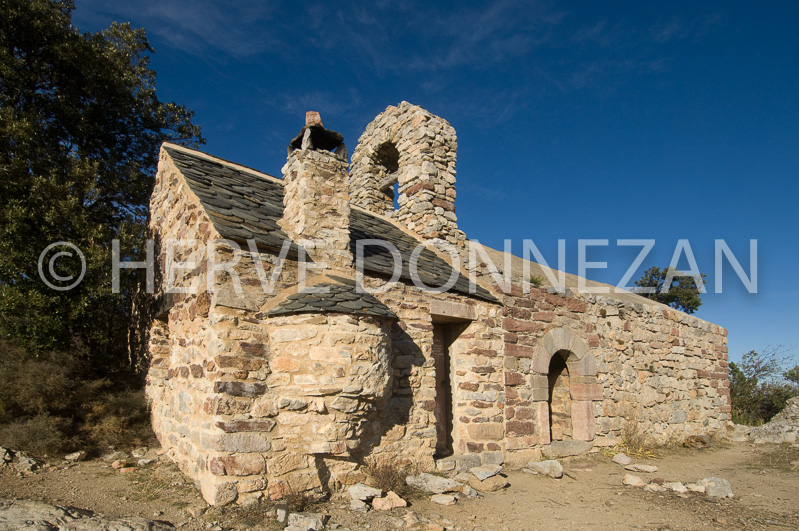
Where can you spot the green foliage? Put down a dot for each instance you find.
(683, 294)
(792, 375)
(80, 126)
(756, 389)
(536, 280)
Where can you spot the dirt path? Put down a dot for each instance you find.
(766, 496)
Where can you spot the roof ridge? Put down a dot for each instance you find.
(224, 162)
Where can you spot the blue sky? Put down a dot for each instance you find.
(575, 120)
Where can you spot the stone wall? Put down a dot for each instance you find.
(177, 383)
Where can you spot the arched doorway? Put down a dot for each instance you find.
(564, 387)
(560, 400)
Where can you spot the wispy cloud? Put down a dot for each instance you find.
(398, 36)
(197, 27)
(325, 102)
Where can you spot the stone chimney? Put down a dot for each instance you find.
(316, 210)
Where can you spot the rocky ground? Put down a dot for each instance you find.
(591, 494)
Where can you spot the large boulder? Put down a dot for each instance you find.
(35, 515)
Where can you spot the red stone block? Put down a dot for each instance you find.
(518, 351)
(474, 448)
(576, 305)
(518, 428)
(513, 378)
(234, 362)
(516, 325)
(554, 300)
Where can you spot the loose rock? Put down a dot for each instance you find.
(633, 481)
(695, 487)
(717, 487)
(491, 484)
(115, 456)
(307, 521)
(282, 511)
(76, 456)
(549, 468)
(362, 492)
(140, 452)
(25, 464)
(444, 499)
(484, 472)
(641, 468)
(390, 501)
(675, 486)
(358, 505)
(6, 456)
(621, 459)
(433, 484)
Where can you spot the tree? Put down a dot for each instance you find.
(80, 126)
(683, 293)
(757, 390)
(792, 375)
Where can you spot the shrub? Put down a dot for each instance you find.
(41, 435)
(53, 402)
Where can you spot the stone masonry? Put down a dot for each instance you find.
(270, 374)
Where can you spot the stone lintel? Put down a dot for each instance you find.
(452, 310)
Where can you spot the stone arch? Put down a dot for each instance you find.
(582, 382)
(417, 150)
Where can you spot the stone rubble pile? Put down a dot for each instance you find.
(21, 462)
(712, 487)
(783, 428)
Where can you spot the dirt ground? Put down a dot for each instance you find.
(765, 486)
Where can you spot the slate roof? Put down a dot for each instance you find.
(244, 205)
(332, 297)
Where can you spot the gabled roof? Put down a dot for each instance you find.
(246, 205)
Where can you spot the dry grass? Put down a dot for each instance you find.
(119, 419)
(390, 475)
(299, 502)
(635, 441)
(782, 457)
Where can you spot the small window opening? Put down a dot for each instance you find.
(387, 169)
